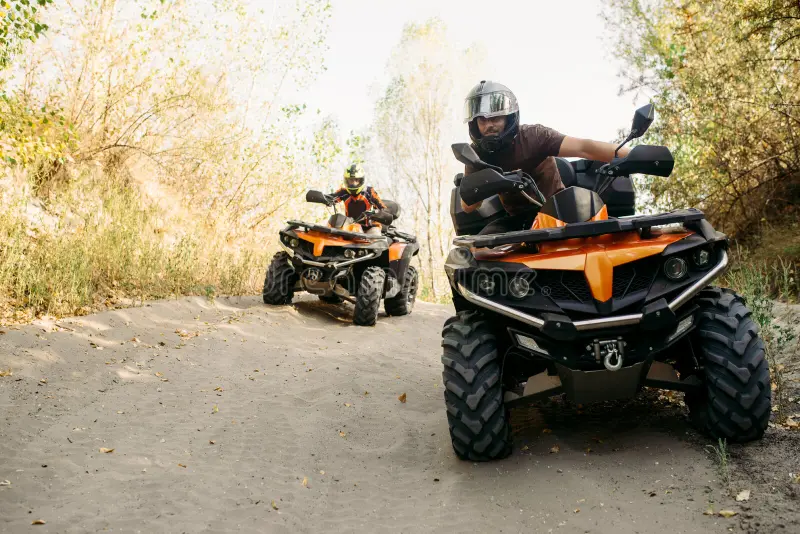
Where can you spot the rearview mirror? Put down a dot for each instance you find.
(317, 197)
(642, 120)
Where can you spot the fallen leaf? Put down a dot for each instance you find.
(7, 372)
(106, 451)
(577, 510)
(38, 522)
(347, 405)
(211, 442)
(120, 412)
(181, 465)
(588, 450)
(581, 501)
(309, 369)
(402, 398)
(342, 434)
(366, 393)
(524, 448)
(305, 482)
(546, 431)
(135, 340)
(5, 482)
(218, 388)
(744, 495)
(274, 506)
(555, 449)
(165, 379)
(214, 409)
(322, 472)
(43, 381)
(159, 375)
(709, 511)
(727, 513)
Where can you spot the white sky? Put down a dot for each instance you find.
(554, 55)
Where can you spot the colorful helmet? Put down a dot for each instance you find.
(490, 99)
(354, 179)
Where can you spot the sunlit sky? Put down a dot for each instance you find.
(555, 56)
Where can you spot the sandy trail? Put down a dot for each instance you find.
(217, 429)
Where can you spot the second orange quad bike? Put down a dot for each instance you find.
(340, 261)
(593, 306)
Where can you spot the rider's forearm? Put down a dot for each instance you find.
(590, 149)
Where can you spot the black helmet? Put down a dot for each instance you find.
(489, 99)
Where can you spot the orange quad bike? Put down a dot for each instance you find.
(340, 261)
(593, 305)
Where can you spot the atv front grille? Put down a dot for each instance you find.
(633, 277)
(563, 285)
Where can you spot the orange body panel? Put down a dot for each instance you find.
(320, 240)
(396, 251)
(595, 256)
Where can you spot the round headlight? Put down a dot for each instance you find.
(294, 242)
(701, 257)
(349, 253)
(676, 268)
(519, 287)
(486, 284)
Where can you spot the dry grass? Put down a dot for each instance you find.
(116, 250)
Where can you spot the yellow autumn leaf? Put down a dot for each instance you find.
(106, 451)
(274, 506)
(305, 482)
(181, 465)
(555, 449)
(38, 522)
(402, 398)
(7, 372)
(727, 513)
(546, 431)
(342, 434)
(215, 409)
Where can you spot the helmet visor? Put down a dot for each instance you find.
(354, 183)
(489, 105)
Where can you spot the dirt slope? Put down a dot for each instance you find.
(288, 420)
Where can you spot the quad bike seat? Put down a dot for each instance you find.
(393, 208)
(620, 197)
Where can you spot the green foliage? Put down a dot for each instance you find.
(725, 78)
(19, 22)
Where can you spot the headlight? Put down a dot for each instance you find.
(676, 269)
(701, 258)
(519, 288)
(485, 284)
(294, 242)
(349, 253)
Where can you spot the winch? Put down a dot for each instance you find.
(609, 351)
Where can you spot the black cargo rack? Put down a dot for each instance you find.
(333, 231)
(584, 229)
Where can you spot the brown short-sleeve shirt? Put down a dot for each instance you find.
(533, 151)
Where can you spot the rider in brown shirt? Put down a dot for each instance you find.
(493, 115)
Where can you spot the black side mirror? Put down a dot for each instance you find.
(383, 217)
(642, 120)
(317, 197)
(466, 154)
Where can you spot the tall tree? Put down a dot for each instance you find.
(725, 78)
(417, 119)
